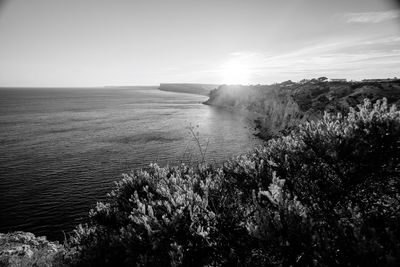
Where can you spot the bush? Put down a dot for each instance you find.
(336, 201)
(328, 194)
(155, 217)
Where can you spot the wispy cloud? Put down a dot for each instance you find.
(355, 58)
(371, 17)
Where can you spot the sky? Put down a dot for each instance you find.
(45, 43)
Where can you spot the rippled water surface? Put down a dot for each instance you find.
(62, 149)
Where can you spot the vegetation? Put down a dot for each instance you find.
(327, 194)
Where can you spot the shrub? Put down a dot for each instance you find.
(336, 201)
(155, 217)
(328, 194)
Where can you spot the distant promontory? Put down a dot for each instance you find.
(189, 88)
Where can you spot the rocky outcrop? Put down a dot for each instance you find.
(25, 249)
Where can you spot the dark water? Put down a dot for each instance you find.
(62, 149)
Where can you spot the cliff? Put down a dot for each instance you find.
(278, 108)
(189, 88)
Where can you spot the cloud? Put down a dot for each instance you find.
(349, 58)
(387, 40)
(371, 17)
(352, 58)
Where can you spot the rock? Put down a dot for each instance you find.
(24, 249)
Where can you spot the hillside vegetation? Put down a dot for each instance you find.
(327, 194)
(280, 107)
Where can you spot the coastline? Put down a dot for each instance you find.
(188, 107)
(24, 248)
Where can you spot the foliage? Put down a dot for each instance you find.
(344, 171)
(327, 194)
(154, 217)
(189, 156)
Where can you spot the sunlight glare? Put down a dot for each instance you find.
(235, 72)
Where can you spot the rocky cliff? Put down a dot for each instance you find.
(280, 107)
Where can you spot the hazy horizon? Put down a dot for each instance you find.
(100, 43)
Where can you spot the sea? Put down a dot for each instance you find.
(62, 149)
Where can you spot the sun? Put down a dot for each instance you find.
(235, 72)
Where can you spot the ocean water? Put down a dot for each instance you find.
(62, 149)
